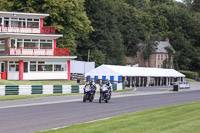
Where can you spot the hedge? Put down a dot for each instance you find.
(189, 74)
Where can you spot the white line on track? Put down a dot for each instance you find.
(75, 100)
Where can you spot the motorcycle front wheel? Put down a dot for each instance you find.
(100, 98)
(84, 97)
(91, 98)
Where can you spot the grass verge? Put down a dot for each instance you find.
(183, 118)
(18, 97)
(190, 80)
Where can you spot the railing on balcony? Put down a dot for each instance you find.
(38, 51)
(48, 30)
(61, 51)
(28, 29)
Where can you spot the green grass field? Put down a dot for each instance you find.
(27, 82)
(190, 80)
(184, 118)
(18, 97)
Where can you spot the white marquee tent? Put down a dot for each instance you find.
(114, 70)
(107, 71)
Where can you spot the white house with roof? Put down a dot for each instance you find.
(160, 58)
(28, 50)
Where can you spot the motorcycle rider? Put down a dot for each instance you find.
(92, 85)
(110, 86)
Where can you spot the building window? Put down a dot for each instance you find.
(132, 58)
(2, 44)
(166, 56)
(42, 66)
(158, 57)
(13, 66)
(21, 22)
(33, 65)
(32, 23)
(161, 57)
(12, 43)
(1, 21)
(46, 43)
(18, 22)
(59, 66)
(31, 43)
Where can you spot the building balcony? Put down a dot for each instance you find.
(28, 29)
(38, 51)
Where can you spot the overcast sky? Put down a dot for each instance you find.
(179, 0)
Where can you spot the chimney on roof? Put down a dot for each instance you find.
(167, 39)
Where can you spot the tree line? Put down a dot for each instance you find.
(110, 29)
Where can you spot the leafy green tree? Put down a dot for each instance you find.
(68, 16)
(137, 3)
(167, 63)
(149, 47)
(5, 5)
(112, 28)
(106, 37)
(196, 5)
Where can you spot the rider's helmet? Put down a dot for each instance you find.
(107, 82)
(91, 82)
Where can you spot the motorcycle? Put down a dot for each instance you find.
(88, 93)
(105, 93)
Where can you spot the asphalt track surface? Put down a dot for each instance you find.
(26, 118)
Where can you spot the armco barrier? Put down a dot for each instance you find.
(75, 89)
(123, 85)
(66, 89)
(12, 90)
(2, 90)
(47, 89)
(81, 87)
(57, 89)
(37, 89)
(114, 87)
(119, 87)
(25, 89)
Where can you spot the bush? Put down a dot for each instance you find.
(190, 74)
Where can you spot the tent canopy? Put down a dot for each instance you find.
(114, 70)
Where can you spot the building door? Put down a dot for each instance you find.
(2, 67)
(25, 67)
(6, 23)
(1, 24)
(1, 21)
(26, 70)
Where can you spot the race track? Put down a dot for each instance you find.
(25, 118)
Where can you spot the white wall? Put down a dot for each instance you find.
(38, 75)
(81, 66)
(13, 75)
(47, 75)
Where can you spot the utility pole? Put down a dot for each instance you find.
(88, 55)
